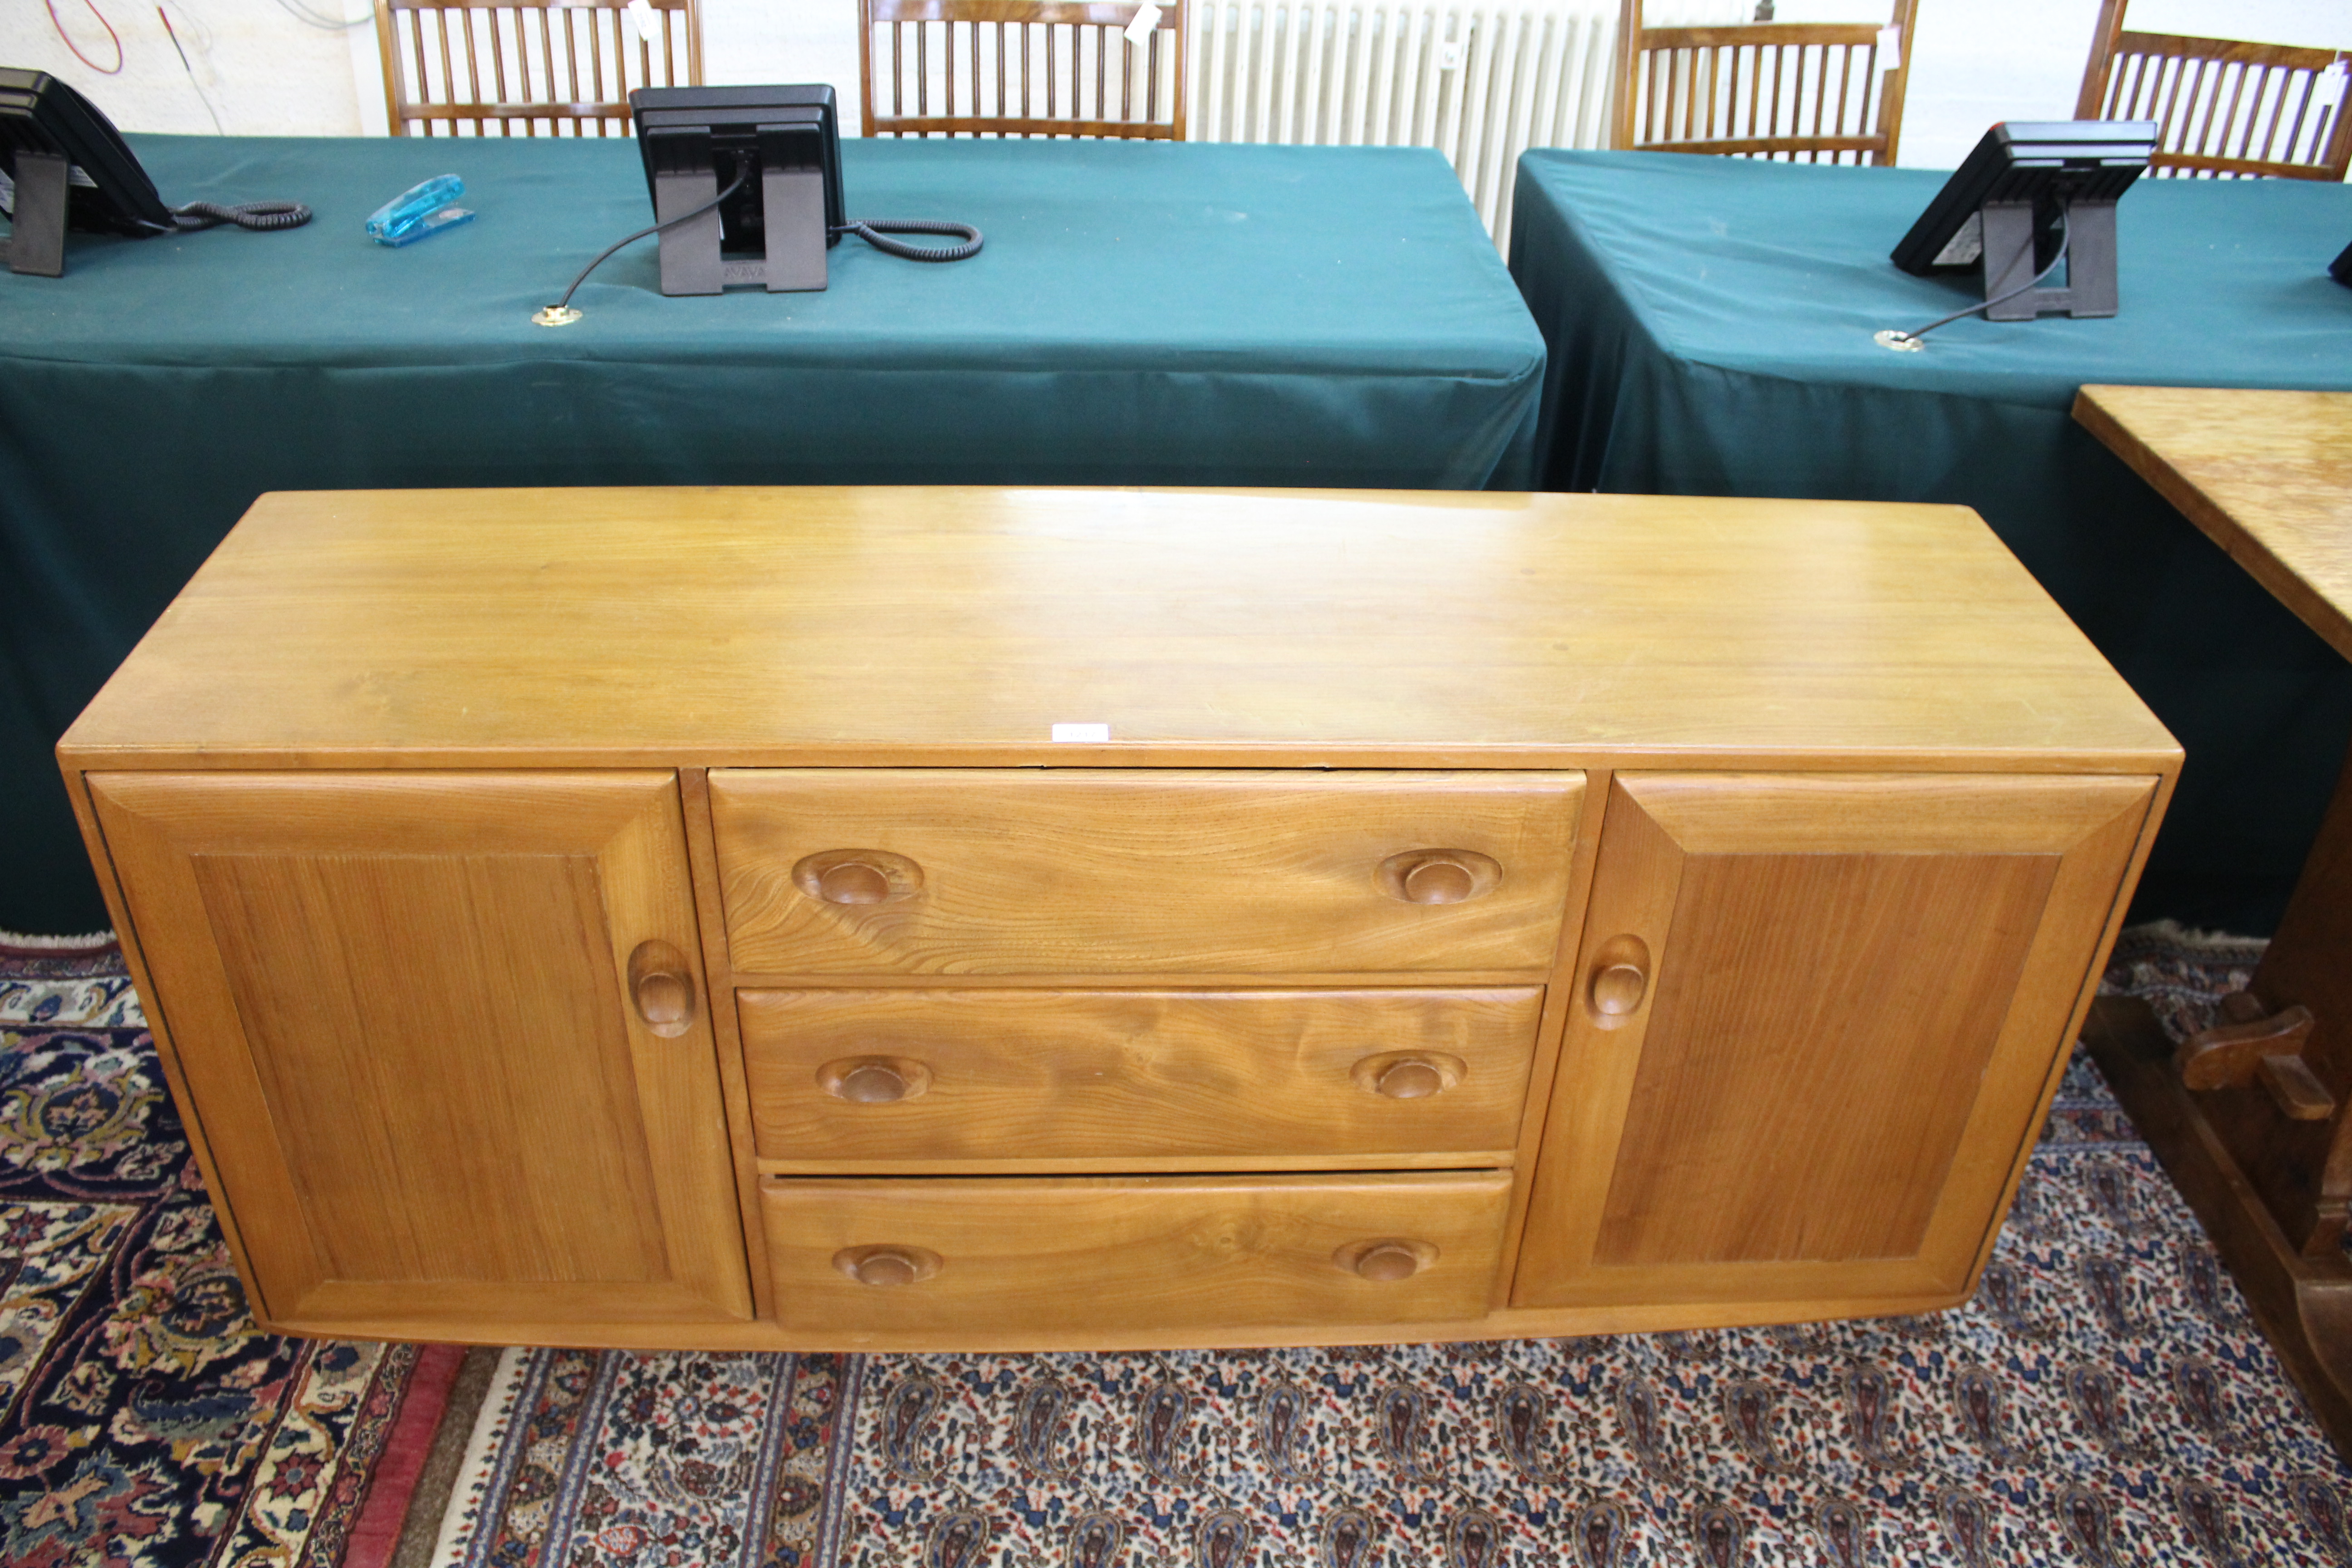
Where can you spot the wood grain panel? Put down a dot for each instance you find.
(1112, 1254)
(1022, 1077)
(1821, 1029)
(399, 1003)
(1071, 871)
(718, 984)
(346, 997)
(2267, 476)
(1851, 1012)
(922, 626)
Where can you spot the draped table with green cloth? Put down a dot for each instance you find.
(1143, 313)
(1710, 325)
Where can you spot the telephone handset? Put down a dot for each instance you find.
(64, 165)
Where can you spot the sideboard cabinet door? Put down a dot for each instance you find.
(446, 1038)
(1815, 1015)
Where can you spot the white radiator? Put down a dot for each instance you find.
(1480, 80)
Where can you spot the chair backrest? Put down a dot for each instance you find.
(2223, 107)
(1021, 67)
(1822, 91)
(542, 67)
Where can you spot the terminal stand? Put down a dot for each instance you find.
(790, 203)
(792, 192)
(2011, 260)
(37, 244)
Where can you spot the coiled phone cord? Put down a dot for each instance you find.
(244, 215)
(872, 229)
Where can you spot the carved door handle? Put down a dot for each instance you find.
(858, 877)
(1408, 1075)
(874, 1080)
(1618, 989)
(1618, 981)
(1386, 1259)
(1438, 876)
(888, 1265)
(662, 988)
(1410, 1080)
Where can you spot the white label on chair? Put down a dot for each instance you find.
(639, 16)
(1147, 18)
(1082, 732)
(1890, 48)
(2329, 90)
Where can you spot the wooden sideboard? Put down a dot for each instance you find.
(1026, 919)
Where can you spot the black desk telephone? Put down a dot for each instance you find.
(64, 165)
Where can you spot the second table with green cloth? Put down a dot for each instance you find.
(1143, 313)
(1711, 325)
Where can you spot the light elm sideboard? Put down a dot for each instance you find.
(969, 918)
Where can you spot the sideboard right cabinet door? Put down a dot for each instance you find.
(1816, 1015)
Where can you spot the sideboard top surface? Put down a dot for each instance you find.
(960, 624)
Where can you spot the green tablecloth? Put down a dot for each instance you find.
(1710, 321)
(1144, 313)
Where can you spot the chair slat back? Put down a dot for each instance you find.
(555, 67)
(1021, 67)
(1811, 90)
(2224, 107)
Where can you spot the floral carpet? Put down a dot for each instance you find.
(2105, 1401)
(143, 1422)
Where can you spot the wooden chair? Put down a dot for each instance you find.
(1020, 68)
(1768, 90)
(552, 64)
(2224, 107)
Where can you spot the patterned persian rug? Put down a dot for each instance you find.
(143, 1423)
(2105, 1401)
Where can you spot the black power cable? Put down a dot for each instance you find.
(871, 230)
(561, 314)
(1909, 340)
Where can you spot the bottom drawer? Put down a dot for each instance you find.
(963, 1259)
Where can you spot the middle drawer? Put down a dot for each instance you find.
(914, 1079)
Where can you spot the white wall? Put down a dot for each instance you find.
(785, 40)
(267, 69)
(1982, 60)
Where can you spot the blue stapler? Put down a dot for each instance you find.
(419, 211)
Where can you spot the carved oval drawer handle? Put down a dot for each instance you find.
(1386, 1259)
(662, 988)
(1408, 1075)
(1619, 981)
(888, 1265)
(874, 1080)
(858, 877)
(1438, 876)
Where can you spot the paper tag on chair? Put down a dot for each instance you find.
(2329, 90)
(1890, 48)
(1147, 18)
(637, 15)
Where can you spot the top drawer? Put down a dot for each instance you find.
(1097, 871)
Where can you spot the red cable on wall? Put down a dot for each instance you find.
(59, 23)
